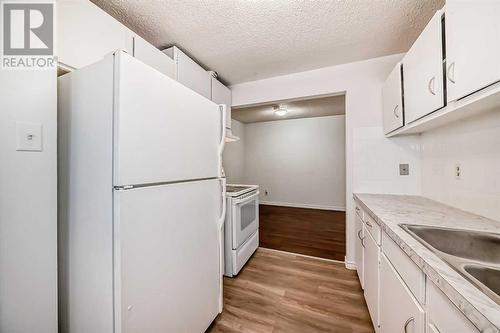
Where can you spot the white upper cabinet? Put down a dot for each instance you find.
(392, 99)
(423, 72)
(472, 45)
(222, 95)
(85, 34)
(189, 73)
(153, 57)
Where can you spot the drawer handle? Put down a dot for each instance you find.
(362, 239)
(408, 323)
(432, 85)
(450, 72)
(395, 113)
(369, 224)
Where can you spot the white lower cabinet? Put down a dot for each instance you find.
(409, 272)
(399, 296)
(371, 278)
(443, 316)
(359, 248)
(399, 310)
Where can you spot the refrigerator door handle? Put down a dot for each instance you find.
(222, 108)
(222, 217)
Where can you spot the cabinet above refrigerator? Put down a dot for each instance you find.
(192, 75)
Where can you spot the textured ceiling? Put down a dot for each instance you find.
(307, 108)
(246, 40)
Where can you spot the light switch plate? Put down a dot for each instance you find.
(28, 136)
(404, 169)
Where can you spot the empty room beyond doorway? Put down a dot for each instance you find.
(295, 152)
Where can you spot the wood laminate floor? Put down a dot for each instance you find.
(281, 292)
(313, 232)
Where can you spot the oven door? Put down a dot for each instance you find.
(245, 217)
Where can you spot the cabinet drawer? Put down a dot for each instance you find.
(442, 315)
(411, 274)
(360, 212)
(373, 228)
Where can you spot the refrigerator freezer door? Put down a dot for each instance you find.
(163, 131)
(167, 275)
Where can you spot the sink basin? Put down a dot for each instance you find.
(473, 254)
(489, 276)
(473, 245)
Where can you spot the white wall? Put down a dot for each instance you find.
(234, 155)
(474, 144)
(362, 82)
(28, 206)
(300, 162)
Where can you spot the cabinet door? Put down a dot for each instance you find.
(189, 73)
(423, 72)
(442, 315)
(399, 310)
(222, 95)
(472, 45)
(392, 100)
(85, 34)
(153, 57)
(359, 249)
(371, 277)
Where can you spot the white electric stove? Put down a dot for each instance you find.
(241, 228)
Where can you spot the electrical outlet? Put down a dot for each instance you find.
(404, 169)
(458, 171)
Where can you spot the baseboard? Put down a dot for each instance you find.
(300, 255)
(350, 265)
(286, 204)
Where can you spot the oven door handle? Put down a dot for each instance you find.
(247, 199)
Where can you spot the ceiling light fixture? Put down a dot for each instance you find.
(280, 110)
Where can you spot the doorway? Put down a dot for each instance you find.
(295, 151)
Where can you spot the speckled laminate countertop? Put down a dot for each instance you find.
(391, 210)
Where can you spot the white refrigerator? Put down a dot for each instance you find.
(141, 201)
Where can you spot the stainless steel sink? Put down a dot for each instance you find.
(473, 254)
